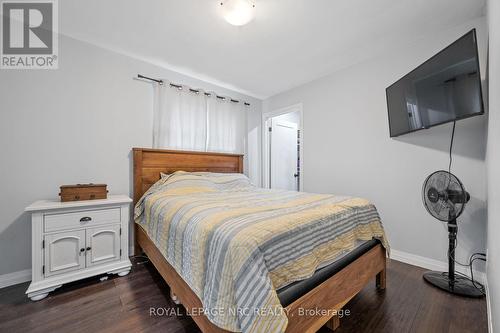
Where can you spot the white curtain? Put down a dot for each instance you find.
(226, 125)
(180, 119)
(193, 121)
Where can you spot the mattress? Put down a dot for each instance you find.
(288, 294)
(235, 244)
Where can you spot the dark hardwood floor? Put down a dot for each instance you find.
(122, 304)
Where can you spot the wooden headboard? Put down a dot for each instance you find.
(148, 163)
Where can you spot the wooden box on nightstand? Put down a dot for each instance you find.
(78, 239)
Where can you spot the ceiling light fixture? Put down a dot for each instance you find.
(238, 12)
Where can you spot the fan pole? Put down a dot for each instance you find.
(452, 237)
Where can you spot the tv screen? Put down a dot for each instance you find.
(445, 88)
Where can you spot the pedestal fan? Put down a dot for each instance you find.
(445, 198)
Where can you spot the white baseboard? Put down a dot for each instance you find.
(488, 308)
(11, 279)
(434, 265)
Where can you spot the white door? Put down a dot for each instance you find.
(283, 155)
(64, 252)
(103, 245)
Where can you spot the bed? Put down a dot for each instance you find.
(322, 286)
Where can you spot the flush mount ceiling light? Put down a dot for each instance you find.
(238, 12)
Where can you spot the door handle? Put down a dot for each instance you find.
(295, 175)
(85, 219)
(82, 250)
(89, 248)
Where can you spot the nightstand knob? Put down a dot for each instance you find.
(86, 219)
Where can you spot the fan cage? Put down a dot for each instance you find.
(442, 210)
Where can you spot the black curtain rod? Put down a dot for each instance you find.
(140, 76)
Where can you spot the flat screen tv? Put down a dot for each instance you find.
(445, 88)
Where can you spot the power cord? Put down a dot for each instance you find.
(146, 259)
(451, 156)
(451, 151)
(475, 256)
(451, 145)
(479, 286)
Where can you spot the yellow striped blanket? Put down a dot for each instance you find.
(235, 244)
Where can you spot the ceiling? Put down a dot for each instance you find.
(289, 43)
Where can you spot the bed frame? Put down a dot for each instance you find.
(332, 294)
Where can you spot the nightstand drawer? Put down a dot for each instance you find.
(64, 221)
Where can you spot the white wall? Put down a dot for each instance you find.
(493, 164)
(78, 124)
(347, 149)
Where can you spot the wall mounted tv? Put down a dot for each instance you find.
(445, 88)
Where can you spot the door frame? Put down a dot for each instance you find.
(266, 166)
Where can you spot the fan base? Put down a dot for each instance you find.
(461, 286)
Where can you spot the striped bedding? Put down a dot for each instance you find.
(235, 244)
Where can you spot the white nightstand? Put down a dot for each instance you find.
(78, 239)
